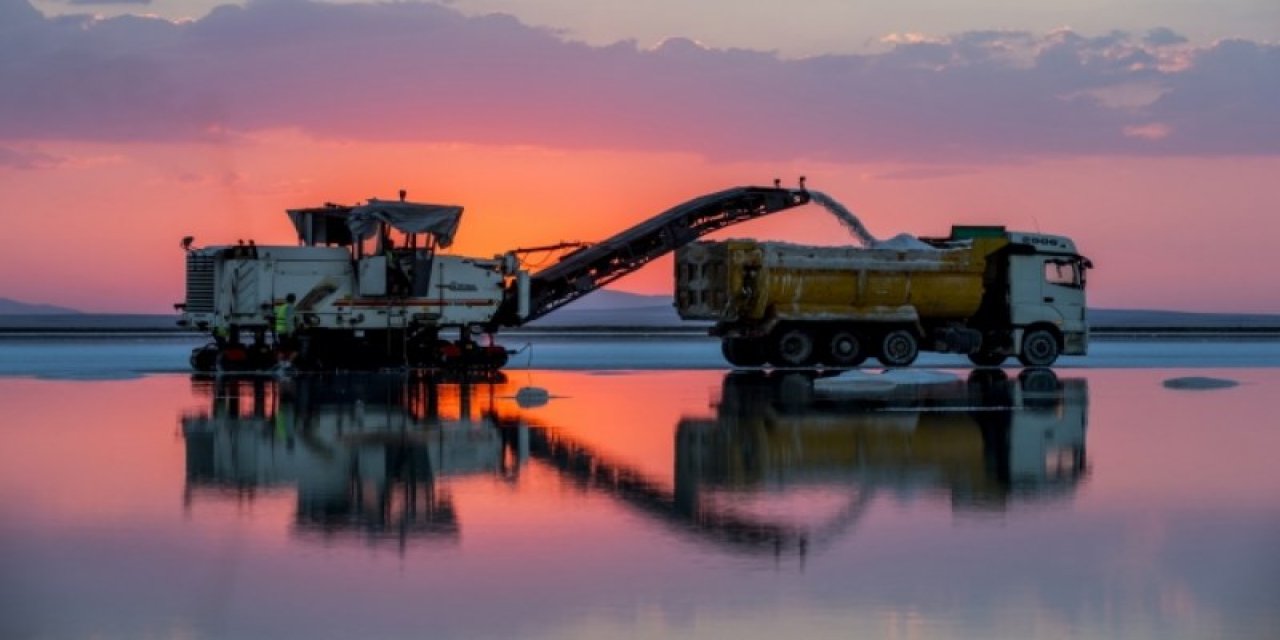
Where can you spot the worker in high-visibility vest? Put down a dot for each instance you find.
(284, 323)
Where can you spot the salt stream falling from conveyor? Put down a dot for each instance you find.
(845, 217)
(900, 242)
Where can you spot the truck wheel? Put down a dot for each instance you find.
(743, 352)
(988, 358)
(845, 349)
(1038, 380)
(793, 348)
(234, 359)
(1039, 348)
(898, 349)
(204, 358)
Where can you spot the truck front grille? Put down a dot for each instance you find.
(199, 283)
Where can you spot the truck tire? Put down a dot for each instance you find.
(236, 359)
(988, 358)
(792, 347)
(1039, 348)
(1038, 380)
(845, 349)
(743, 352)
(898, 348)
(204, 359)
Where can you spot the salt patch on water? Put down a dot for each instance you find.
(1200, 382)
(853, 382)
(919, 376)
(860, 382)
(531, 397)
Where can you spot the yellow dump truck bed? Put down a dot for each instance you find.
(746, 280)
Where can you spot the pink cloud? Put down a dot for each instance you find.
(425, 72)
(1149, 131)
(926, 172)
(28, 158)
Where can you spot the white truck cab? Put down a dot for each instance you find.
(1047, 294)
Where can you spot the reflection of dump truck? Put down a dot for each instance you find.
(982, 291)
(984, 440)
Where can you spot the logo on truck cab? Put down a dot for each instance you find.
(1043, 241)
(459, 286)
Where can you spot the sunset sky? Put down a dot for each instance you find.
(1147, 130)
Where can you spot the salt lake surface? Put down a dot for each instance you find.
(1093, 502)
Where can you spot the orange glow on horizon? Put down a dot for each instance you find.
(1163, 232)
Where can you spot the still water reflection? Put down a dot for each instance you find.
(687, 503)
(368, 455)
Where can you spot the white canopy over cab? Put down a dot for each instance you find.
(438, 220)
(344, 226)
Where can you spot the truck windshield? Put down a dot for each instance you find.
(1066, 273)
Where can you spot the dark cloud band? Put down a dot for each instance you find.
(426, 72)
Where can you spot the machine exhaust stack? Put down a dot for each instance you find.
(522, 294)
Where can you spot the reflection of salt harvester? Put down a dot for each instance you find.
(367, 454)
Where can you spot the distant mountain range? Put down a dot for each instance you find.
(1153, 318)
(15, 307)
(604, 308)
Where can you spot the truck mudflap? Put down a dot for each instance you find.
(956, 339)
(1075, 343)
(745, 330)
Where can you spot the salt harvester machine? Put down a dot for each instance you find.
(371, 286)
